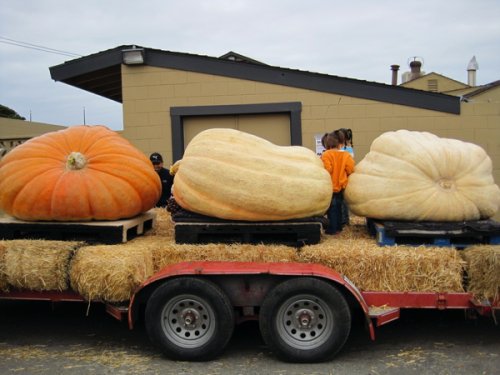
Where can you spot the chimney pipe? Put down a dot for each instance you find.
(394, 69)
(415, 69)
(471, 71)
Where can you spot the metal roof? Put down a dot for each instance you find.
(100, 73)
(483, 88)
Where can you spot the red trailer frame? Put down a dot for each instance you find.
(382, 307)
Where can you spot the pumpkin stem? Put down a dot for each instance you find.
(174, 168)
(75, 161)
(446, 184)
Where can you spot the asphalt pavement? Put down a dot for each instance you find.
(45, 338)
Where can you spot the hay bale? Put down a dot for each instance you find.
(172, 253)
(38, 265)
(483, 271)
(163, 225)
(4, 285)
(389, 269)
(111, 272)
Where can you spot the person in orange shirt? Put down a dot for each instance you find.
(340, 165)
(349, 147)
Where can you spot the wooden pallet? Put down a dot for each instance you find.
(287, 233)
(108, 232)
(459, 235)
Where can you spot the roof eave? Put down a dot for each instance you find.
(99, 73)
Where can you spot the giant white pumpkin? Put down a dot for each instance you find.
(229, 174)
(410, 175)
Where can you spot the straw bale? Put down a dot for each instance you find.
(483, 271)
(357, 222)
(172, 253)
(111, 272)
(356, 255)
(4, 285)
(38, 264)
(163, 226)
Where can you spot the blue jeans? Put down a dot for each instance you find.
(334, 213)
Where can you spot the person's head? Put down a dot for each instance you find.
(332, 141)
(339, 134)
(157, 160)
(323, 140)
(347, 136)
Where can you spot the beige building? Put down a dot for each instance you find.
(14, 132)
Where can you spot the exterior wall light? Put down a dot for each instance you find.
(133, 56)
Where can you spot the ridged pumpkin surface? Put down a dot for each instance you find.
(233, 175)
(418, 176)
(80, 173)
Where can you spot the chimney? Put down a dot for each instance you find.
(415, 68)
(394, 69)
(471, 71)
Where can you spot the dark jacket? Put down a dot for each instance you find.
(166, 186)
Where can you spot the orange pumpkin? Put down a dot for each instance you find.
(80, 173)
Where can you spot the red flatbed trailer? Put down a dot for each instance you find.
(304, 310)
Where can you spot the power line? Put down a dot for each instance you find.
(37, 47)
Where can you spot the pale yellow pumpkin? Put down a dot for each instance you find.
(229, 174)
(410, 175)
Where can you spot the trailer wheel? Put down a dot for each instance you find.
(189, 319)
(305, 320)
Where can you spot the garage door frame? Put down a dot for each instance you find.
(178, 114)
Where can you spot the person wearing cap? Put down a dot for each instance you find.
(166, 179)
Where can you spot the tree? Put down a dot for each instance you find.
(9, 113)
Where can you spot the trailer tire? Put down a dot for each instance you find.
(305, 319)
(189, 319)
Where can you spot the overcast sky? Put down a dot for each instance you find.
(354, 39)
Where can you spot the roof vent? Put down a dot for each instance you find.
(471, 71)
(233, 56)
(415, 64)
(394, 80)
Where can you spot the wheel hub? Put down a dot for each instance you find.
(305, 318)
(190, 318)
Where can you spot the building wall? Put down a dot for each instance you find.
(14, 132)
(149, 92)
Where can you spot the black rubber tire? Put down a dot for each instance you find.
(189, 319)
(305, 319)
